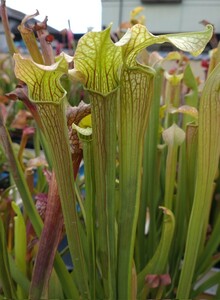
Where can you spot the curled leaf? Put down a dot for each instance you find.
(43, 81)
(86, 132)
(185, 109)
(103, 58)
(85, 127)
(193, 42)
(75, 115)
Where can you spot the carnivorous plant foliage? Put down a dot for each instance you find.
(107, 233)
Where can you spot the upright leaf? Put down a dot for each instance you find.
(20, 245)
(5, 275)
(208, 158)
(46, 91)
(100, 77)
(135, 100)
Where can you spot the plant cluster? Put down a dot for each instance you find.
(128, 177)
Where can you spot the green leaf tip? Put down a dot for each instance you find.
(193, 42)
(43, 81)
(98, 60)
(138, 38)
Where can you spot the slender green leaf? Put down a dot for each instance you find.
(210, 249)
(20, 245)
(104, 149)
(173, 136)
(191, 161)
(135, 101)
(49, 96)
(18, 276)
(5, 274)
(20, 239)
(208, 157)
(146, 245)
(55, 288)
(85, 135)
(103, 61)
